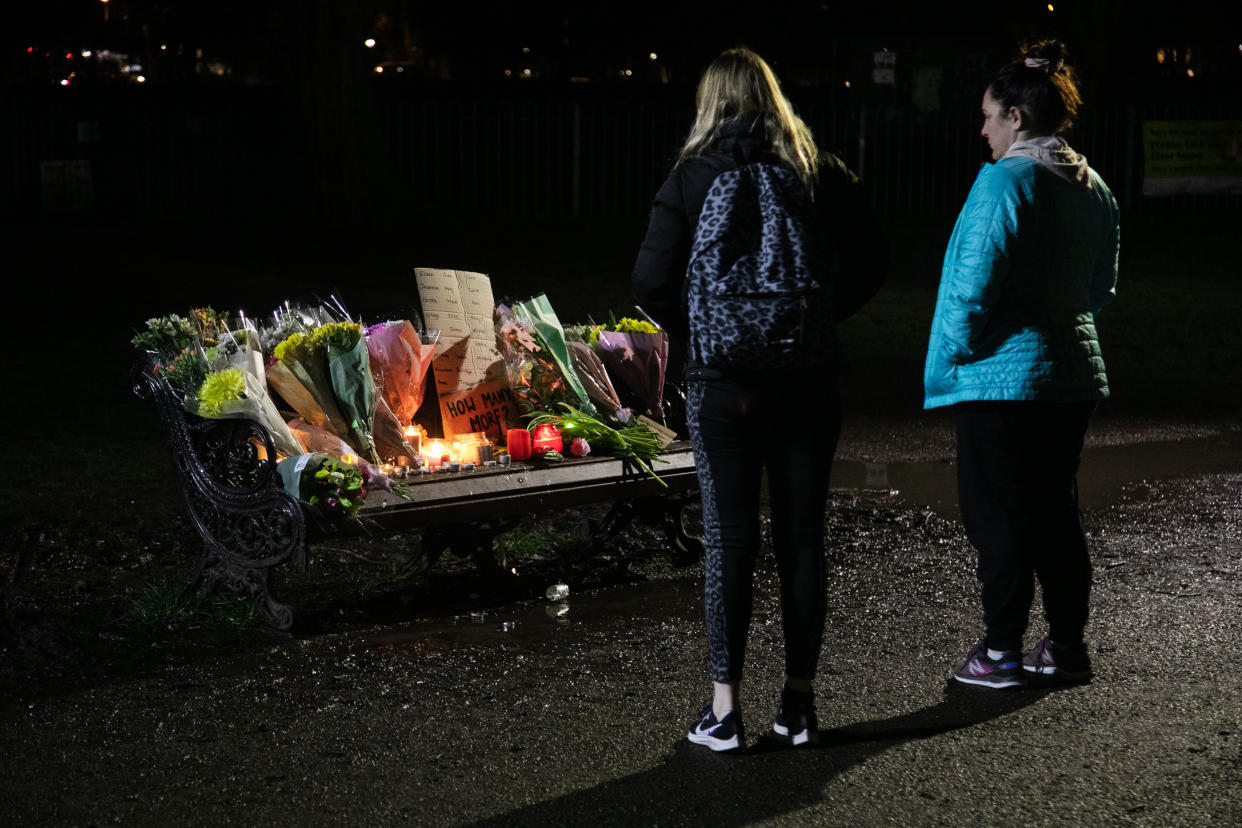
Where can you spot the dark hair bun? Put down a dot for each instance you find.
(1052, 51)
(1042, 85)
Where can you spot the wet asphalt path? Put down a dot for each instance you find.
(576, 715)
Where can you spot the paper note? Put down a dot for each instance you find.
(459, 305)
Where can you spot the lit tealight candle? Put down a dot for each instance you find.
(434, 452)
(547, 437)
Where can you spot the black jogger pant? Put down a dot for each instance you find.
(1016, 474)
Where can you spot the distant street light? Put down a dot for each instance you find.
(369, 43)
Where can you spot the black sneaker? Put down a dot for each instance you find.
(717, 734)
(1065, 663)
(977, 668)
(795, 717)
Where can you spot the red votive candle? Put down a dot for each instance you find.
(517, 440)
(547, 438)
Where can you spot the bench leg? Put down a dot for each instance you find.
(662, 512)
(218, 572)
(473, 540)
(688, 548)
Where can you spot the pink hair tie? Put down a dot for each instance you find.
(1037, 63)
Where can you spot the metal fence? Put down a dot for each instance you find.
(151, 154)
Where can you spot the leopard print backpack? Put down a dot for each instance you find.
(759, 280)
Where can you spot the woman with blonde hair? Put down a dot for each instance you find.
(738, 415)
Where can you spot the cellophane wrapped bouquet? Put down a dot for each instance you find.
(560, 379)
(178, 347)
(337, 489)
(215, 365)
(635, 353)
(594, 374)
(537, 358)
(312, 359)
(400, 358)
(320, 366)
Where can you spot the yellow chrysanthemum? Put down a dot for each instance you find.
(627, 324)
(341, 335)
(291, 347)
(219, 388)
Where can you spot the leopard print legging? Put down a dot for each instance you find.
(739, 430)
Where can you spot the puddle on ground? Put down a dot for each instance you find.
(541, 620)
(1105, 471)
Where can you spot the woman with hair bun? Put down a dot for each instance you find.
(1013, 348)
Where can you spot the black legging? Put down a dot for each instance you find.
(1016, 468)
(788, 426)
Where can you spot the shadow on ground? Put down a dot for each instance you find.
(767, 780)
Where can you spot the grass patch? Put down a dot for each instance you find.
(175, 608)
(534, 541)
(397, 574)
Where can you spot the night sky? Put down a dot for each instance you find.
(807, 42)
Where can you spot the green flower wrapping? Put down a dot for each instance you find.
(301, 376)
(349, 370)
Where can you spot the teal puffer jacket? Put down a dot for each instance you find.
(1032, 259)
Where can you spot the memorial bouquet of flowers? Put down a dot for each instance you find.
(593, 374)
(335, 488)
(400, 358)
(537, 357)
(321, 368)
(299, 373)
(349, 371)
(635, 352)
(234, 392)
(216, 369)
(182, 347)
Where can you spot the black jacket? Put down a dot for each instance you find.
(658, 279)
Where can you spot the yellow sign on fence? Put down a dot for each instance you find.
(1194, 157)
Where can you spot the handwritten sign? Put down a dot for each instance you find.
(459, 304)
(488, 407)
